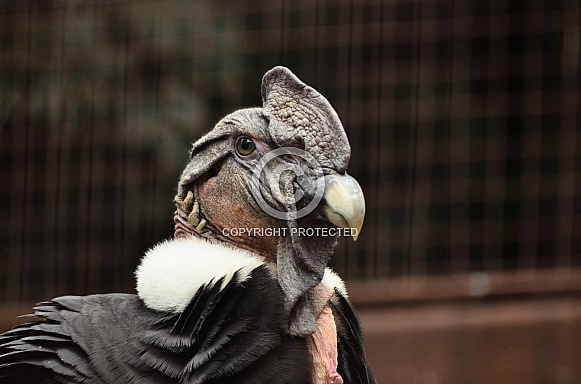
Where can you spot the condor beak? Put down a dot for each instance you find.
(343, 203)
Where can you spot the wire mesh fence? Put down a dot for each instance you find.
(463, 118)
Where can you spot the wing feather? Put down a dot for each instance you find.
(231, 331)
(352, 362)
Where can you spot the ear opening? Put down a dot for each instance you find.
(206, 153)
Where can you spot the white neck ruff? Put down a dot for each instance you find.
(171, 272)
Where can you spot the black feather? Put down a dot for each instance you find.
(228, 333)
(352, 362)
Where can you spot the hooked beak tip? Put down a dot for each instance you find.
(344, 203)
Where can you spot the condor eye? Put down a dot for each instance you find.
(245, 146)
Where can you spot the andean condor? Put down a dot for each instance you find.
(242, 293)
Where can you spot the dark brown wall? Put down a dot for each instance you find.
(502, 342)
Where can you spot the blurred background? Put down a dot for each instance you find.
(463, 118)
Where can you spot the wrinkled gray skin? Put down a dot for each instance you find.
(293, 115)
